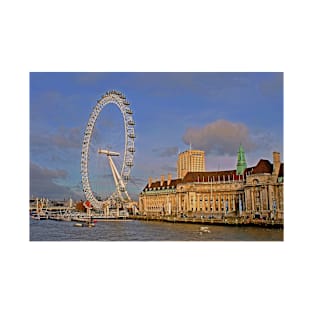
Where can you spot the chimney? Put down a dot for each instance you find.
(162, 180)
(276, 163)
(169, 179)
(149, 182)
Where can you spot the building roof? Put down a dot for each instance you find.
(157, 184)
(213, 176)
(192, 151)
(264, 166)
(207, 176)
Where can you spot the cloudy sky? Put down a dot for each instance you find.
(214, 112)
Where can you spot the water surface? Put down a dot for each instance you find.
(134, 230)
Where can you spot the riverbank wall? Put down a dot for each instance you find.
(230, 221)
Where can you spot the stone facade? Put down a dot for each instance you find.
(257, 193)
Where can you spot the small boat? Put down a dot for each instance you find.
(205, 229)
(35, 217)
(86, 224)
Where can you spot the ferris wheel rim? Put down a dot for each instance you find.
(121, 102)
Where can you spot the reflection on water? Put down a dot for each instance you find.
(132, 230)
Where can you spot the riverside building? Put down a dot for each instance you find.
(254, 192)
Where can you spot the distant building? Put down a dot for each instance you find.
(255, 192)
(190, 161)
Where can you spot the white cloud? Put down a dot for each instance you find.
(220, 137)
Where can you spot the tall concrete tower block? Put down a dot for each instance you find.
(190, 161)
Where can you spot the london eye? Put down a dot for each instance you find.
(120, 173)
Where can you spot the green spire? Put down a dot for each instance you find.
(241, 161)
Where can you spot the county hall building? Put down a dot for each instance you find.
(254, 192)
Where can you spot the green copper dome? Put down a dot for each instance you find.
(241, 161)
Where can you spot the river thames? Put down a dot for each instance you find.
(133, 230)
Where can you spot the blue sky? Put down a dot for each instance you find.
(214, 112)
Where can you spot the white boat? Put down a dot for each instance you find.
(205, 229)
(85, 224)
(35, 217)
